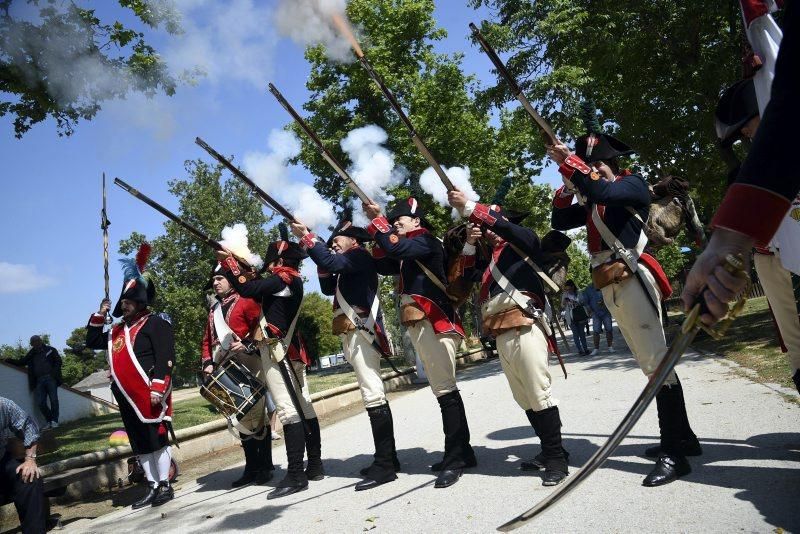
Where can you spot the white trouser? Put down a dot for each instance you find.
(639, 323)
(777, 284)
(278, 389)
(438, 355)
(523, 356)
(366, 362)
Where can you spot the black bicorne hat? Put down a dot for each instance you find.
(408, 207)
(736, 106)
(283, 248)
(215, 271)
(136, 285)
(346, 228)
(596, 145)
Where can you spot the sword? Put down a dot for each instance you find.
(691, 325)
(104, 224)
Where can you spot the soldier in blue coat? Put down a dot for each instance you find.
(405, 246)
(347, 272)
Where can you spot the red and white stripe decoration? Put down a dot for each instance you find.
(412, 202)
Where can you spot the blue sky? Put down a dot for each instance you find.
(51, 249)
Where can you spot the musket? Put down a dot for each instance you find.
(104, 224)
(545, 128)
(691, 325)
(262, 195)
(415, 138)
(324, 152)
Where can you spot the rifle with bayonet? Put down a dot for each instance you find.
(324, 152)
(262, 195)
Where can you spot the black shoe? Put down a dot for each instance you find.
(448, 477)
(248, 477)
(263, 476)
(686, 448)
(152, 491)
(315, 471)
(284, 490)
(553, 477)
(369, 483)
(537, 463)
(668, 469)
(164, 494)
(365, 470)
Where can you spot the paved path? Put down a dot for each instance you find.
(748, 480)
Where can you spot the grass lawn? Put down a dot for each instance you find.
(752, 342)
(321, 382)
(91, 434)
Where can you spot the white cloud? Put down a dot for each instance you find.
(18, 278)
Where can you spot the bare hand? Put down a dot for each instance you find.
(223, 254)
(558, 152)
(299, 229)
(237, 347)
(105, 306)
(155, 398)
(28, 471)
(474, 233)
(371, 210)
(719, 287)
(457, 199)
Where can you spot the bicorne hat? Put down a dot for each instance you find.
(736, 106)
(283, 248)
(408, 207)
(137, 285)
(596, 145)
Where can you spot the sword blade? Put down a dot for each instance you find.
(676, 349)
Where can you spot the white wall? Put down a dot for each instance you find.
(72, 404)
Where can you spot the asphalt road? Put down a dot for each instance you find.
(748, 479)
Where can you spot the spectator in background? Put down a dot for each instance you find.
(575, 315)
(601, 317)
(20, 480)
(44, 377)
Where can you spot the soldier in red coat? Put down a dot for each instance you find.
(232, 322)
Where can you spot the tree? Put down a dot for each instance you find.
(671, 258)
(655, 68)
(66, 62)
(78, 361)
(314, 322)
(181, 265)
(439, 98)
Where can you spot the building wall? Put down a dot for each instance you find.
(72, 404)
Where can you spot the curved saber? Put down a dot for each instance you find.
(689, 329)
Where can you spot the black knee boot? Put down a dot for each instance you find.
(382, 469)
(294, 436)
(547, 424)
(796, 379)
(689, 445)
(264, 465)
(537, 463)
(671, 463)
(395, 461)
(314, 470)
(458, 452)
(251, 462)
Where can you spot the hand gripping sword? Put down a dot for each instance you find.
(691, 325)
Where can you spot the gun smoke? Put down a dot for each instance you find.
(234, 238)
(373, 167)
(308, 23)
(431, 184)
(269, 170)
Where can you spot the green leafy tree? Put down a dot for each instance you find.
(654, 68)
(181, 265)
(78, 361)
(671, 258)
(60, 61)
(440, 100)
(314, 322)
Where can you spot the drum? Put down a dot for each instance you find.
(233, 390)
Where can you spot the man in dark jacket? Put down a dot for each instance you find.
(44, 377)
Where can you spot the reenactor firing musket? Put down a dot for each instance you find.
(344, 28)
(321, 147)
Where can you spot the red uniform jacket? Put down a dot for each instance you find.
(241, 314)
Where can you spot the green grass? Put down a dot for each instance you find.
(318, 382)
(91, 434)
(752, 342)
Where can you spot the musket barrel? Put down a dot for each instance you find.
(332, 161)
(415, 138)
(260, 193)
(547, 130)
(169, 215)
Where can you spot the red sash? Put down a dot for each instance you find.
(129, 376)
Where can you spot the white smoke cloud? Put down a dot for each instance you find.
(18, 278)
(234, 238)
(431, 184)
(308, 23)
(373, 167)
(269, 171)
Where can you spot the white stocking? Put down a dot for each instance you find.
(163, 459)
(148, 462)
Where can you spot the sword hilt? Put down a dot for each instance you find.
(735, 266)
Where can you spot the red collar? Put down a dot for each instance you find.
(415, 233)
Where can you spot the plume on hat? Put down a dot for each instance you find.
(589, 116)
(134, 268)
(283, 231)
(502, 191)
